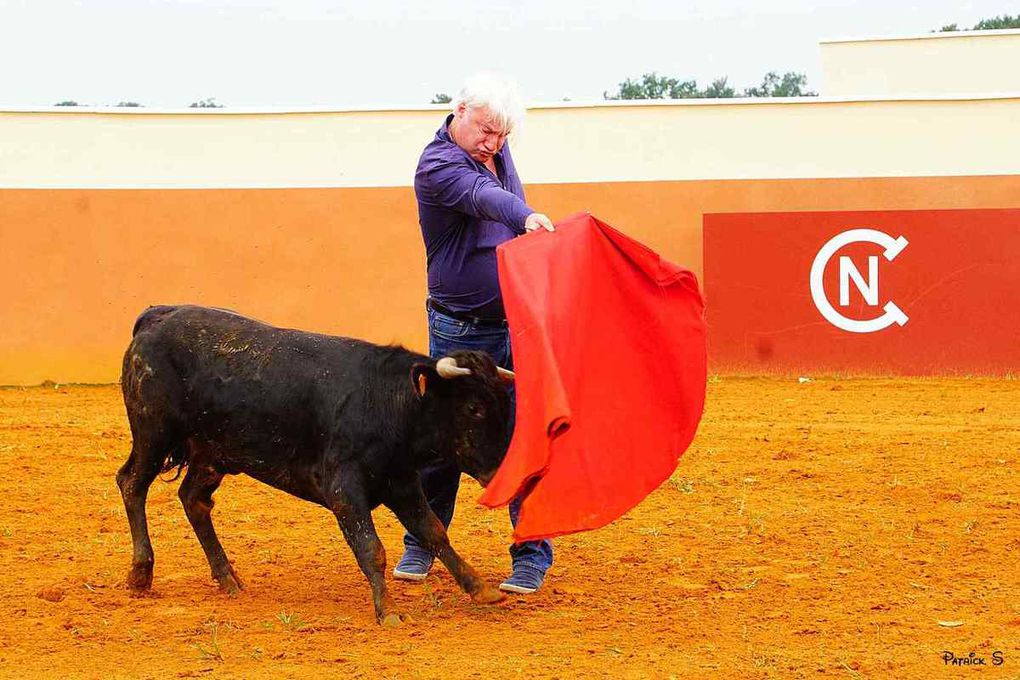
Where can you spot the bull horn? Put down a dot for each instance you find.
(505, 375)
(447, 368)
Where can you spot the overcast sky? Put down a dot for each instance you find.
(311, 53)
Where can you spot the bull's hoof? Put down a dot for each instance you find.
(487, 595)
(139, 580)
(230, 584)
(395, 620)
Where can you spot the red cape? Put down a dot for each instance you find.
(609, 350)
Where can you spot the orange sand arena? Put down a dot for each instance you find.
(833, 528)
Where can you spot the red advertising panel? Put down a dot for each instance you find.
(913, 292)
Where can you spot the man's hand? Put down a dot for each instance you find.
(538, 221)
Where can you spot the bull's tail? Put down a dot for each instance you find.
(150, 316)
(136, 371)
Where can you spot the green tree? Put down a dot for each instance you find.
(998, 23)
(790, 84)
(993, 24)
(441, 98)
(719, 90)
(67, 102)
(209, 103)
(653, 86)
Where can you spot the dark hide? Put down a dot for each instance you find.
(336, 421)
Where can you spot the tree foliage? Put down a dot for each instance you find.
(654, 86)
(998, 23)
(130, 105)
(993, 24)
(209, 103)
(67, 102)
(719, 90)
(790, 84)
(441, 98)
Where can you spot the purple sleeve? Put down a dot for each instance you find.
(460, 187)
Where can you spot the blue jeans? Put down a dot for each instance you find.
(447, 334)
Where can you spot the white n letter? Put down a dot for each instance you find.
(848, 270)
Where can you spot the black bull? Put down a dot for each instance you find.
(339, 422)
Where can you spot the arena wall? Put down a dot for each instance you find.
(307, 218)
(951, 62)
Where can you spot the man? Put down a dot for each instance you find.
(470, 200)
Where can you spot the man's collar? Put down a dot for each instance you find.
(444, 131)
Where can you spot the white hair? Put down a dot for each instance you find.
(497, 93)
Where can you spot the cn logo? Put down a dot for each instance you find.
(848, 272)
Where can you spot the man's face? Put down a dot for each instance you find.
(478, 132)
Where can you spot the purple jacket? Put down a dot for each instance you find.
(464, 214)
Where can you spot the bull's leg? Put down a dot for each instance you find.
(196, 495)
(134, 479)
(355, 520)
(411, 507)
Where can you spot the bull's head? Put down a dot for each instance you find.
(466, 404)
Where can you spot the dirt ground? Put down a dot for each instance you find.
(842, 527)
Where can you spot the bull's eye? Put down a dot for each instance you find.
(476, 412)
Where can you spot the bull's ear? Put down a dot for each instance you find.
(422, 378)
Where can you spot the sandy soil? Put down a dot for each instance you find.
(844, 528)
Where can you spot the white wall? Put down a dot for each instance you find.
(710, 139)
(931, 64)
